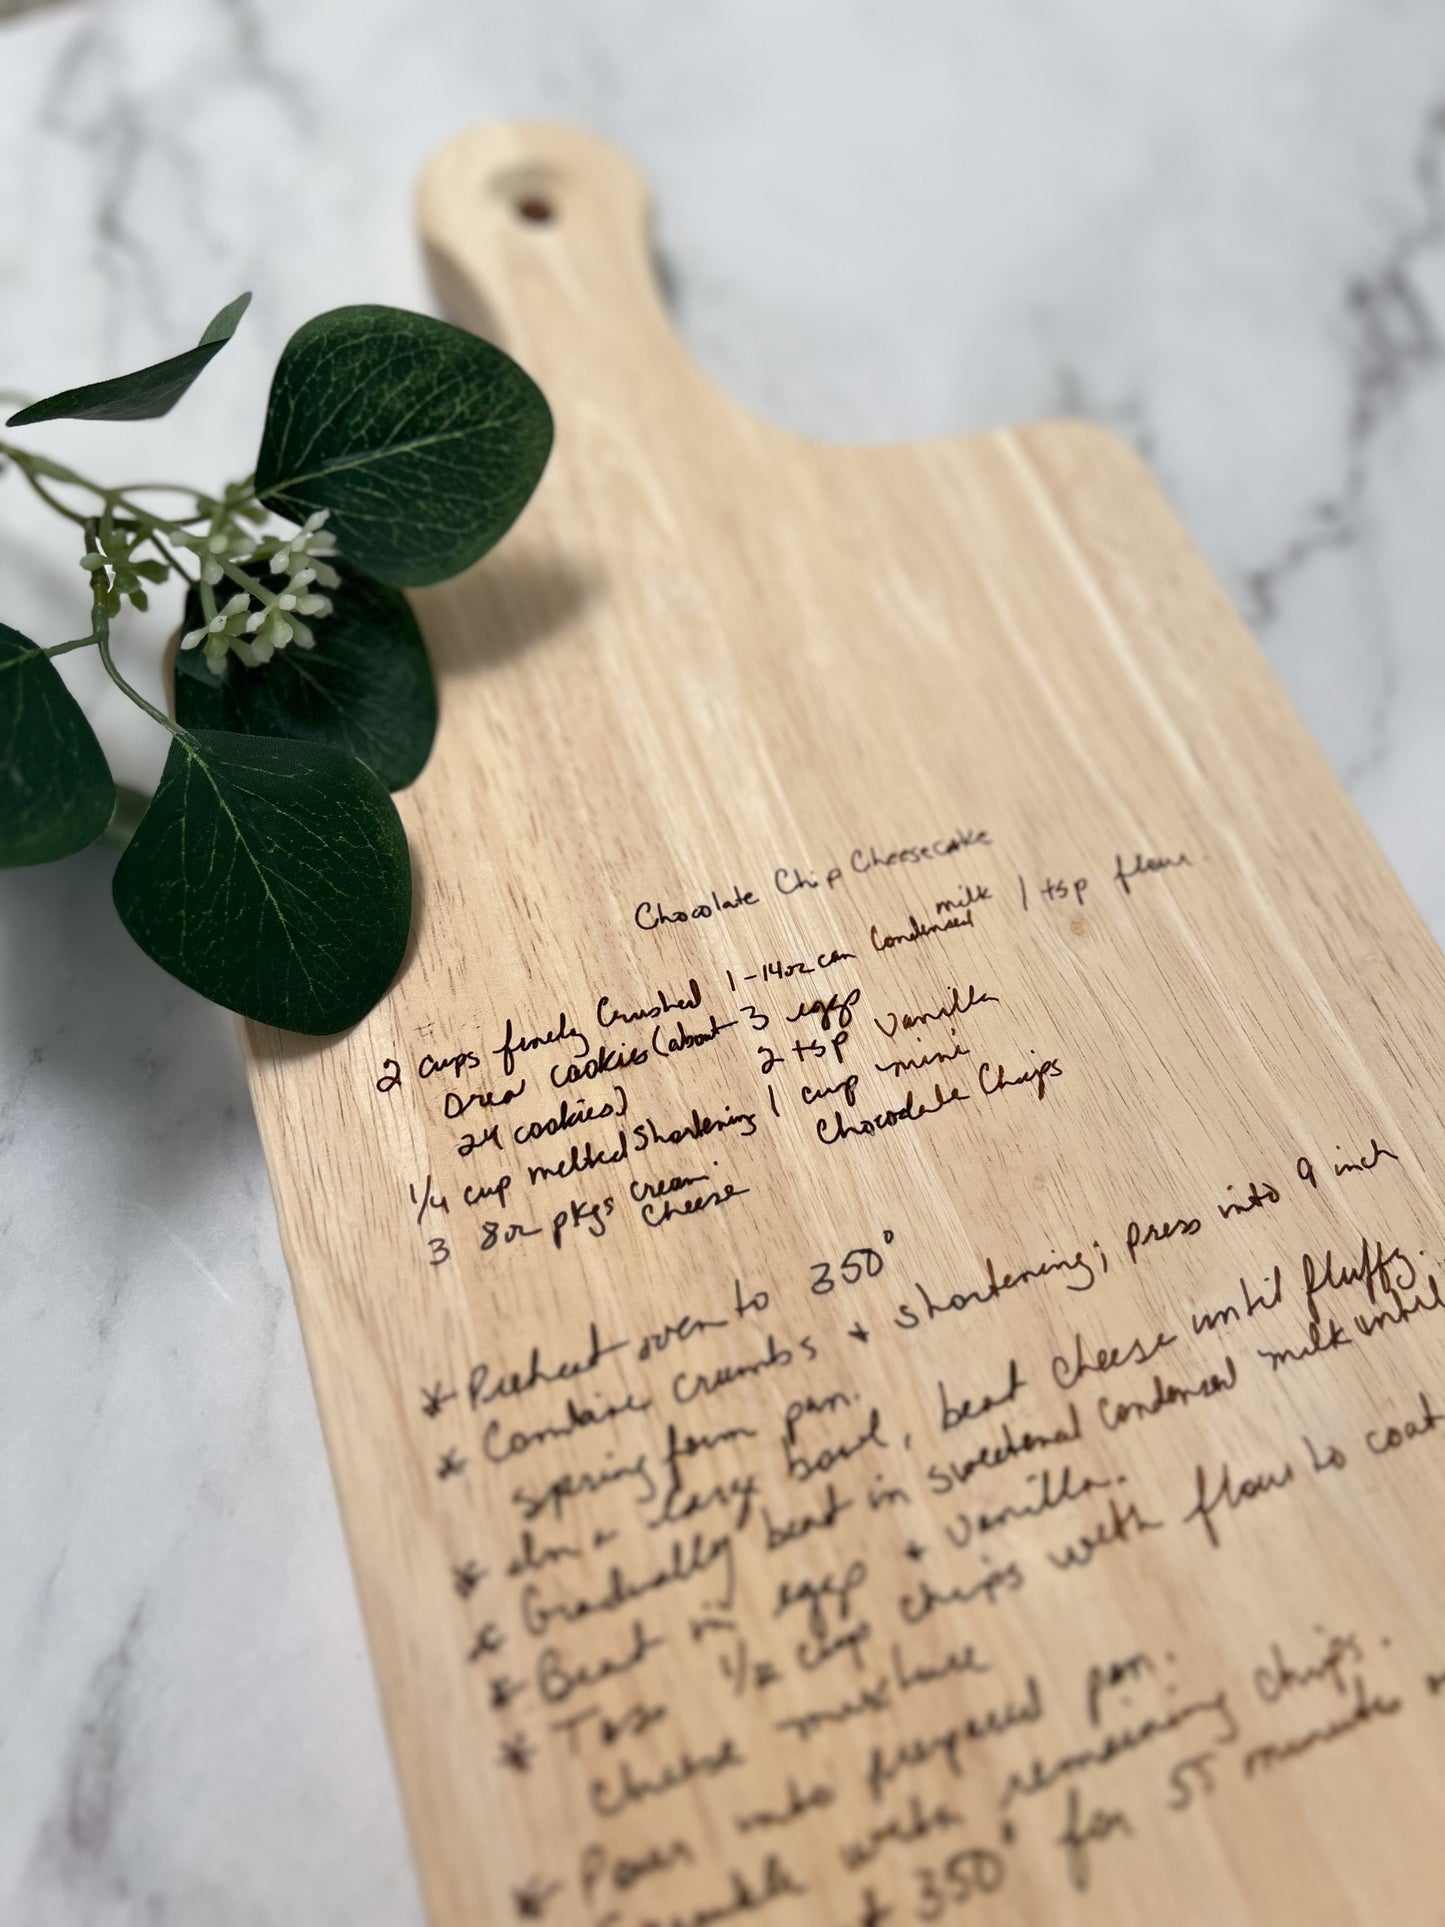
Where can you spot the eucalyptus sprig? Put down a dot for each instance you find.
(270, 870)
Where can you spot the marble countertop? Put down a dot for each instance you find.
(1220, 230)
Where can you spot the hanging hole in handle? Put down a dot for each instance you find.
(530, 194)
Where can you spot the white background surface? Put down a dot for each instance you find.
(1219, 229)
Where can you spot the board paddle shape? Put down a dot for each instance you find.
(872, 1283)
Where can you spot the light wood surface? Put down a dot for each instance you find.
(936, 1506)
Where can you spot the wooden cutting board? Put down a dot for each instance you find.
(872, 1286)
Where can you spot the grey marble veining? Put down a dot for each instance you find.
(1220, 230)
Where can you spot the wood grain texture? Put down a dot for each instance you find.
(1102, 1467)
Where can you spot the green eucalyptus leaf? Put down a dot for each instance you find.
(56, 793)
(271, 876)
(423, 441)
(222, 326)
(141, 396)
(365, 687)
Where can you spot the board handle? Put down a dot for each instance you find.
(537, 237)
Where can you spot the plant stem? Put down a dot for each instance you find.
(50, 501)
(119, 498)
(149, 528)
(130, 807)
(243, 581)
(64, 648)
(172, 488)
(156, 542)
(24, 459)
(113, 498)
(102, 624)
